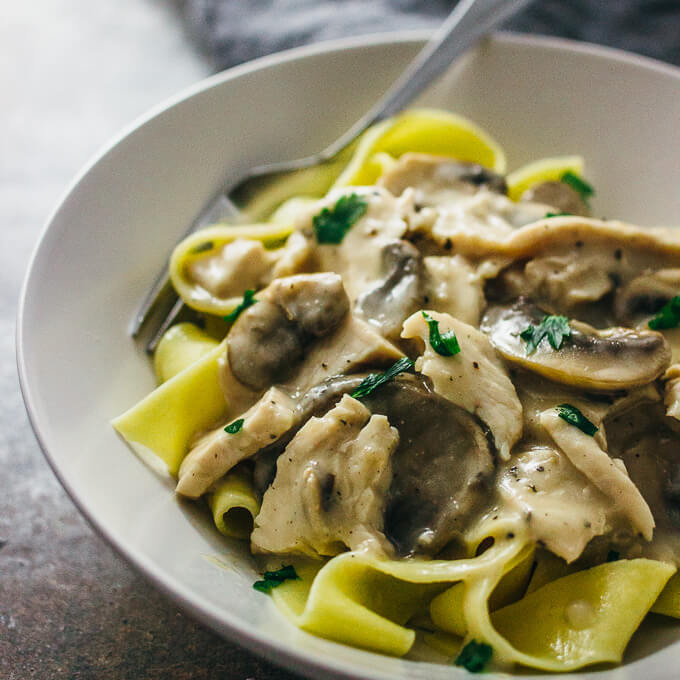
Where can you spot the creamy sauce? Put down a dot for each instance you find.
(442, 237)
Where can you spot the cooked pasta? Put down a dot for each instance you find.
(438, 401)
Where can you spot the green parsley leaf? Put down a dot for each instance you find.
(202, 247)
(474, 656)
(555, 328)
(272, 579)
(557, 214)
(234, 427)
(578, 184)
(574, 417)
(613, 556)
(332, 224)
(248, 299)
(668, 316)
(370, 382)
(447, 344)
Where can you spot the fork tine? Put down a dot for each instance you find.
(170, 319)
(161, 288)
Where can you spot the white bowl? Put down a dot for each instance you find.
(120, 218)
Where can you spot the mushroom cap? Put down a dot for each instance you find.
(399, 294)
(610, 359)
(442, 469)
(268, 339)
(263, 346)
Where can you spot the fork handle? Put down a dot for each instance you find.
(469, 21)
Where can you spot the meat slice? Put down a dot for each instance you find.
(218, 451)
(330, 486)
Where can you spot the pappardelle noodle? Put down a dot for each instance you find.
(440, 401)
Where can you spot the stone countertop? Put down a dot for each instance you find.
(75, 72)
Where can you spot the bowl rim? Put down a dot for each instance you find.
(281, 654)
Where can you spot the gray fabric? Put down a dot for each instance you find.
(233, 31)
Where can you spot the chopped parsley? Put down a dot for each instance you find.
(555, 328)
(370, 382)
(272, 579)
(234, 427)
(578, 184)
(248, 299)
(446, 344)
(202, 247)
(668, 316)
(474, 656)
(331, 224)
(574, 417)
(557, 214)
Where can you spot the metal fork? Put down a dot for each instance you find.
(468, 22)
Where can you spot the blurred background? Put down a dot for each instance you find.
(73, 73)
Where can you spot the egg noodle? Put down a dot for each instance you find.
(440, 401)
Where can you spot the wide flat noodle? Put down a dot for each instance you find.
(448, 614)
(668, 603)
(543, 170)
(585, 618)
(366, 602)
(167, 420)
(181, 346)
(424, 131)
(208, 243)
(234, 503)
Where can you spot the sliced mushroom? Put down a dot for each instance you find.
(317, 303)
(263, 346)
(610, 359)
(442, 468)
(645, 295)
(430, 175)
(268, 339)
(651, 452)
(399, 294)
(558, 195)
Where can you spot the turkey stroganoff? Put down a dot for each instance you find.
(440, 402)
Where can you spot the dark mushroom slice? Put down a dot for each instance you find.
(317, 303)
(263, 346)
(645, 295)
(442, 468)
(558, 195)
(429, 175)
(610, 359)
(269, 338)
(399, 294)
(651, 452)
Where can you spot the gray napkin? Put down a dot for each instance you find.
(233, 31)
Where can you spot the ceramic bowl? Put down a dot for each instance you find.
(118, 222)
